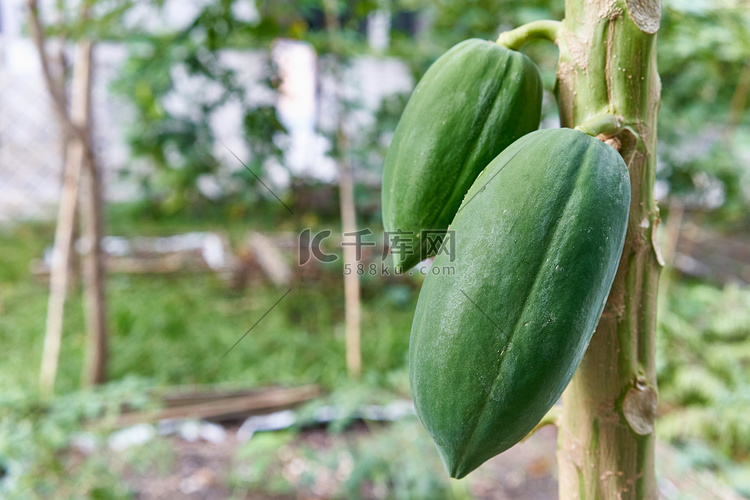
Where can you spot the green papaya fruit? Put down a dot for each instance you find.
(499, 330)
(473, 102)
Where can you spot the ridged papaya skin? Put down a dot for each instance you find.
(473, 102)
(495, 342)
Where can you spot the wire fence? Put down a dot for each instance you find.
(31, 150)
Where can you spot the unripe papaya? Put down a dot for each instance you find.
(473, 102)
(499, 331)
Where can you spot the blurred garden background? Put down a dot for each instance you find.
(217, 356)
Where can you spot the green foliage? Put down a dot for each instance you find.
(397, 458)
(394, 460)
(37, 457)
(702, 53)
(17, 244)
(180, 144)
(174, 329)
(703, 128)
(704, 382)
(456, 21)
(255, 461)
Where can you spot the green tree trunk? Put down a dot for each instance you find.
(607, 84)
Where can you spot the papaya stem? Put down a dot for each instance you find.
(607, 124)
(607, 51)
(552, 417)
(535, 30)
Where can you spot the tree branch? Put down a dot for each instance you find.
(56, 90)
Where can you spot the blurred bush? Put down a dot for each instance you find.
(704, 377)
(395, 460)
(704, 133)
(45, 446)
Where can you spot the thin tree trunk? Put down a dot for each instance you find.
(352, 305)
(60, 62)
(60, 277)
(92, 231)
(351, 278)
(606, 440)
(79, 155)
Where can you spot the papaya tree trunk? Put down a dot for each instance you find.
(606, 433)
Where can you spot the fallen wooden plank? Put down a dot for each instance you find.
(269, 258)
(222, 407)
(174, 397)
(189, 252)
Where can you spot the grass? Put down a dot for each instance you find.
(175, 329)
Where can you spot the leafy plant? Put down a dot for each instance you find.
(373, 460)
(174, 329)
(703, 127)
(704, 355)
(177, 82)
(38, 456)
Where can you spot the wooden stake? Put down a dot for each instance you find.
(59, 273)
(78, 153)
(92, 231)
(351, 278)
(348, 212)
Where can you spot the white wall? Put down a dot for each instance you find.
(30, 151)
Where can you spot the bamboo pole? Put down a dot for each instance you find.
(59, 273)
(76, 125)
(92, 212)
(351, 278)
(352, 299)
(59, 279)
